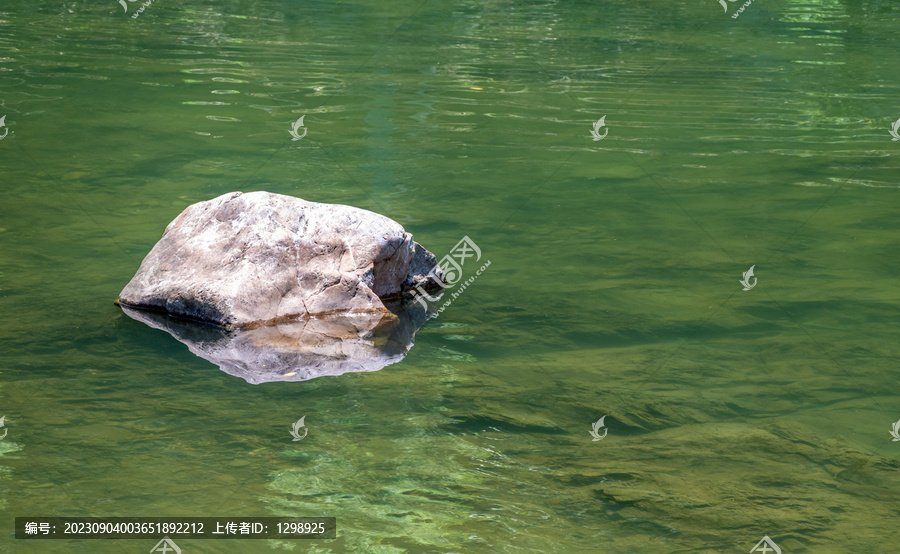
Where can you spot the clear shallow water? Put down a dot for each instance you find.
(613, 288)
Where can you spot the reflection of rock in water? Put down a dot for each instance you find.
(300, 350)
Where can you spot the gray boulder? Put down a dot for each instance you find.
(248, 260)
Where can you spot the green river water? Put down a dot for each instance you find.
(614, 285)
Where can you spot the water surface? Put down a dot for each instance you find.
(613, 287)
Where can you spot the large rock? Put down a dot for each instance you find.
(246, 260)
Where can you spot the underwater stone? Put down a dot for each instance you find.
(246, 260)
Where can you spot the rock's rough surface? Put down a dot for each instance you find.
(246, 260)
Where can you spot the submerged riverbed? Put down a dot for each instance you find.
(614, 287)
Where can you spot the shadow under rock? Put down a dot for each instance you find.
(301, 350)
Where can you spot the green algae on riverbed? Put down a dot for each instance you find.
(613, 291)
